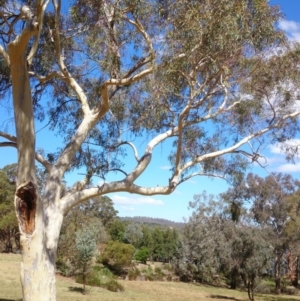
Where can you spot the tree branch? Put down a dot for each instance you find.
(67, 76)
(40, 10)
(136, 156)
(13, 143)
(44, 79)
(70, 200)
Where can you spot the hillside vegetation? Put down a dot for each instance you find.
(153, 221)
(134, 290)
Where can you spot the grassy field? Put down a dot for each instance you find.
(10, 289)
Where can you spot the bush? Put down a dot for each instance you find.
(133, 274)
(101, 277)
(168, 267)
(153, 275)
(117, 254)
(65, 267)
(114, 286)
(158, 274)
(142, 255)
(263, 288)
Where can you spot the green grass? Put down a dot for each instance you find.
(69, 290)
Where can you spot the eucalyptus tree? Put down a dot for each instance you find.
(273, 208)
(200, 74)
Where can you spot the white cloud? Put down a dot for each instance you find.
(289, 26)
(275, 162)
(165, 167)
(289, 168)
(276, 148)
(292, 28)
(122, 200)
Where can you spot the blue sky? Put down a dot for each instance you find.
(173, 207)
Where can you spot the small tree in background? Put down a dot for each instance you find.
(86, 249)
(116, 230)
(142, 255)
(133, 234)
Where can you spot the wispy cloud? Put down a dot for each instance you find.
(275, 161)
(292, 29)
(289, 167)
(279, 147)
(165, 167)
(123, 200)
(126, 208)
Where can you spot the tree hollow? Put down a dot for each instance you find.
(26, 206)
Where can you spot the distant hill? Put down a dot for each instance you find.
(153, 221)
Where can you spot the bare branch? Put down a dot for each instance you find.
(132, 146)
(13, 143)
(44, 79)
(211, 175)
(8, 137)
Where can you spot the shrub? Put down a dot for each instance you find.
(101, 277)
(65, 267)
(168, 267)
(114, 286)
(133, 274)
(142, 255)
(117, 254)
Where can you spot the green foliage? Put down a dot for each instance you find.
(116, 230)
(214, 244)
(80, 217)
(86, 250)
(117, 254)
(65, 267)
(9, 237)
(151, 274)
(100, 207)
(142, 255)
(101, 277)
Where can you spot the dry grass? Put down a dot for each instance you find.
(10, 289)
